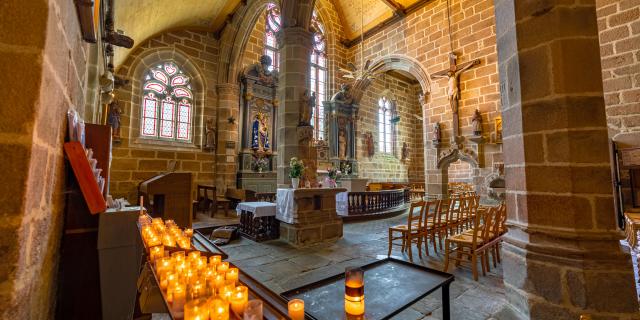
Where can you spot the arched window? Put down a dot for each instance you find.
(167, 107)
(318, 74)
(385, 125)
(272, 27)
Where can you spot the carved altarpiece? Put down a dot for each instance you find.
(258, 105)
(341, 128)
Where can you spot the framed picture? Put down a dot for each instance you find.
(498, 129)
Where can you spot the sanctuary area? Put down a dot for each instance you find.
(320, 159)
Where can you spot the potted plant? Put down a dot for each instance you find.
(296, 169)
(332, 176)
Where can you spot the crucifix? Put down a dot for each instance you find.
(453, 87)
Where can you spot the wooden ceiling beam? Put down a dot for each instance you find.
(384, 24)
(397, 8)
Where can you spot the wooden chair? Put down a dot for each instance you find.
(430, 225)
(442, 219)
(470, 245)
(409, 233)
(453, 217)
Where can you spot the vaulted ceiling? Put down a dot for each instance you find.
(142, 19)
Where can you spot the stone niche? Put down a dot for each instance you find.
(315, 219)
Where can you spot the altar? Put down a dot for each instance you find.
(308, 216)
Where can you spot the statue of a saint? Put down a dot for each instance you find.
(476, 122)
(307, 105)
(405, 151)
(343, 96)
(368, 142)
(437, 134)
(342, 145)
(260, 133)
(210, 141)
(263, 71)
(114, 120)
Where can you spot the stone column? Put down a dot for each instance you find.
(562, 257)
(226, 148)
(295, 48)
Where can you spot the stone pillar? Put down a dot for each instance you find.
(226, 149)
(295, 48)
(562, 257)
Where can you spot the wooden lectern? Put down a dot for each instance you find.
(169, 197)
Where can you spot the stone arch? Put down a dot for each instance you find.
(235, 37)
(149, 58)
(408, 64)
(452, 156)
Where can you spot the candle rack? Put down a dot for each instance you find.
(274, 306)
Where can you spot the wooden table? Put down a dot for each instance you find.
(390, 286)
(258, 220)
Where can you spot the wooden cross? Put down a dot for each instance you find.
(453, 88)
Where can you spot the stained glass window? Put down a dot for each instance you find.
(318, 74)
(167, 104)
(385, 127)
(272, 27)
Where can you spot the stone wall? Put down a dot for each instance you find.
(44, 67)
(135, 160)
(422, 36)
(619, 28)
(255, 44)
(384, 167)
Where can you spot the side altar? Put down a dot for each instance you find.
(341, 114)
(258, 144)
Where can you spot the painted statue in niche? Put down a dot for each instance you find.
(343, 96)
(210, 140)
(114, 120)
(476, 123)
(260, 133)
(342, 145)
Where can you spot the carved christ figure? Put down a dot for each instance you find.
(453, 77)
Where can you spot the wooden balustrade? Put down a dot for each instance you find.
(266, 196)
(378, 202)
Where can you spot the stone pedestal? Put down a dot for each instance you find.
(313, 218)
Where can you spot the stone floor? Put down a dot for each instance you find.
(282, 267)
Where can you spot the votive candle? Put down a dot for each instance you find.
(223, 267)
(232, 275)
(239, 299)
(196, 310)
(296, 309)
(215, 260)
(218, 309)
(179, 296)
(156, 253)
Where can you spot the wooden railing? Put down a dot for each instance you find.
(266, 196)
(377, 202)
(417, 195)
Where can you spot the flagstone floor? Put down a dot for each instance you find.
(282, 267)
